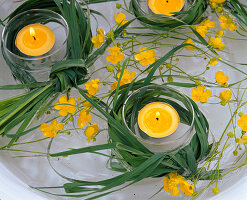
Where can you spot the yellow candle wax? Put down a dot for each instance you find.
(165, 7)
(35, 39)
(158, 119)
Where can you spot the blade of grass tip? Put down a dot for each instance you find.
(21, 106)
(85, 150)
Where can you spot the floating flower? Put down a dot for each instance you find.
(171, 184)
(115, 55)
(99, 39)
(216, 43)
(65, 106)
(146, 57)
(92, 86)
(190, 41)
(226, 95)
(200, 94)
(120, 19)
(221, 78)
(242, 122)
(91, 131)
(84, 117)
(217, 1)
(242, 140)
(50, 130)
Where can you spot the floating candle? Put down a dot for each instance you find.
(165, 7)
(158, 119)
(35, 39)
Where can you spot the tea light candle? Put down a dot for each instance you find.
(165, 7)
(35, 39)
(158, 119)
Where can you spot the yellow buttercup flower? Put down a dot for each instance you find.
(242, 122)
(204, 26)
(120, 19)
(186, 188)
(86, 104)
(190, 41)
(114, 85)
(200, 94)
(216, 43)
(221, 78)
(171, 184)
(115, 55)
(127, 77)
(220, 33)
(91, 131)
(217, 1)
(92, 86)
(233, 26)
(50, 130)
(213, 62)
(99, 39)
(226, 95)
(146, 57)
(65, 106)
(202, 30)
(208, 23)
(84, 117)
(242, 140)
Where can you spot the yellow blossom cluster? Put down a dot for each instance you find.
(99, 39)
(146, 57)
(200, 94)
(226, 22)
(126, 78)
(171, 184)
(90, 131)
(115, 55)
(204, 27)
(65, 106)
(50, 130)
